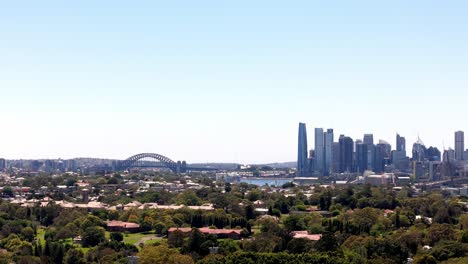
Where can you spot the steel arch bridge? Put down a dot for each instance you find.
(177, 167)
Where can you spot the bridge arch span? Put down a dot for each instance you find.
(167, 162)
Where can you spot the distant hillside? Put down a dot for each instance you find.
(280, 165)
(220, 166)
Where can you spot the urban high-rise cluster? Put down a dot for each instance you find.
(347, 155)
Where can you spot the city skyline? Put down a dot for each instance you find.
(325, 141)
(226, 82)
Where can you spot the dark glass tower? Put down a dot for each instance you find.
(346, 154)
(328, 136)
(361, 157)
(400, 143)
(302, 161)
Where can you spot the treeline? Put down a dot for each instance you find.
(271, 258)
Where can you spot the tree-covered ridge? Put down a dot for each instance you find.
(354, 224)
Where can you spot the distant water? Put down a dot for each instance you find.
(269, 182)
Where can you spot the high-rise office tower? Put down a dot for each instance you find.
(368, 139)
(459, 145)
(386, 148)
(346, 154)
(328, 151)
(302, 160)
(399, 155)
(433, 154)
(449, 155)
(2, 164)
(400, 143)
(361, 157)
(380, 157)
(419, 151)
(370, 157)
(336, 157)
(319, 151)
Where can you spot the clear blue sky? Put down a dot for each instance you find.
(226, 80)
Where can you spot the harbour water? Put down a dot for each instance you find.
(269, 182)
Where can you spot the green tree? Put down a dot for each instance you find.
(249, 212)
(188, 198)
(365, 218)
(176, 239)
(447, 249)
(442, 216)
(228, 246)
(93, 236)
(424, 259)
(8, 191)
(227, 187)
(160, 228)
(162, 255)
(464, 237)
(195, 240)
(300, 245)
(325, 200)
(92, 221)
(463, 222)
(74, 256)
(438, 232)
(116, 237)
(327, 243)
(28, 233)
(294, 223)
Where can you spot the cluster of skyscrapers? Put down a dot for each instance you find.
(357, 156)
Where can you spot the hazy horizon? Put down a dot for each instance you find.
(208, 81)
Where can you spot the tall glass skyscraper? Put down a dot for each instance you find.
(346, 154)
(328, 152)
(368, 139)
(302, 161)
(459, 145)
(400, 143)
(361, 157)
(319, 151)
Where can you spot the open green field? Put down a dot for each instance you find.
(135, 238)
(41, 236)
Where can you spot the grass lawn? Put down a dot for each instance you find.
(151, 241)
(283, 217)
(41, 235)
(135, 238)
(128, 238)
(84, 250)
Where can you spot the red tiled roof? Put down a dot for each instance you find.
(208, 231)
(305, 234)
(122, 224)
(182, 229)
